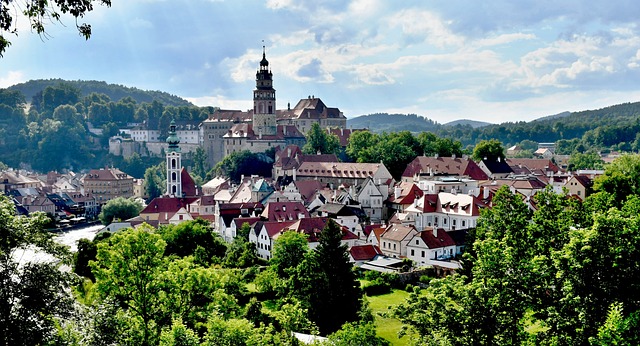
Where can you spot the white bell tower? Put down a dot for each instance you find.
(174, 163)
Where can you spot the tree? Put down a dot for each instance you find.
(41, 12)
(34, 297)
(12, 98)
(491, 150)
(129, 268)
(120, 208)
(179, 335)
(240, 254)
(621, 177)
(241, 163)
(326, 284)
(352, 334)
(288, 252)
(199, 163)
(598, 268)
(319, 141)
(588, 160)
(185, 238)
(154, 177)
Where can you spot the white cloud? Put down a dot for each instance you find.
(139, 23)
(424, 26)
(504, 39)
(12, 78)
(220, 101)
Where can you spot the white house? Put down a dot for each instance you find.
(450, 211)
(430, 244)
(395, 239)
(371, 197)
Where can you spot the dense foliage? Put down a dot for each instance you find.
(119, 209)
(243, 163)
(41, 13)
(544, 277)
(397, 149)
(34, 296)
(105, 90)
(615, 128)
(73, 122)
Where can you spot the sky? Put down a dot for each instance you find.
(495, 60)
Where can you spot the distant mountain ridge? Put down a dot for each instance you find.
(384, 122)
(553, 117)
(114, 91)
(464, 122)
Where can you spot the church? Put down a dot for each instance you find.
(265, 127)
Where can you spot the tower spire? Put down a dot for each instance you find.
(264, 99)
(174, 163)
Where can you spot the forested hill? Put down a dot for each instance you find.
(384, 122)
(615, 127)
(114, 91)
(463, 122)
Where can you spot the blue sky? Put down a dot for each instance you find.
(492, 61)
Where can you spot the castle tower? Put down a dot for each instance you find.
(264, 100)
(174, 163)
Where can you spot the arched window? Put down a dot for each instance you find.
(173, 163)
(174, 176)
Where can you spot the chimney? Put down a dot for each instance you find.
(397, 191)
(435, 232)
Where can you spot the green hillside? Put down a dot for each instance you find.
(383, 122)
(114, 91)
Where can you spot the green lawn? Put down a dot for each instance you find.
(388, 327)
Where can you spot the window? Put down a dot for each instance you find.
(463, 223)
(417, 242)
(422, 254)
(394, 246)
(412, 254)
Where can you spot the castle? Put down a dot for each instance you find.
(264, 126)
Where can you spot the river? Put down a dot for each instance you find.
(69, 238)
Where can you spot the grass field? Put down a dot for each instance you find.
(388, 327)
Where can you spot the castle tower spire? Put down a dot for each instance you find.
(264, 99)
(174, 163)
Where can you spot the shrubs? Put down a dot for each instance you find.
(376, 287)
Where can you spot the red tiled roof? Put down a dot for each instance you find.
(107, 174)
(308, 188)
(284, 211)
(423, 165)
(274, 227)
(244, 130)
(543, 165)
(188, 185)
(398, 232)
(409, 192)
(442, 240)
(167, 204)
(368, 228)
(338, 169)
(343, 134)
(364, 252)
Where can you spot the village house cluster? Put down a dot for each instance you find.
(423, 217)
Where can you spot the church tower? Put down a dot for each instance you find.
(264, 100)
(174, 163)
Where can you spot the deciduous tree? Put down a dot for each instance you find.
(40, 13)
(120, 208)
(33, 295)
